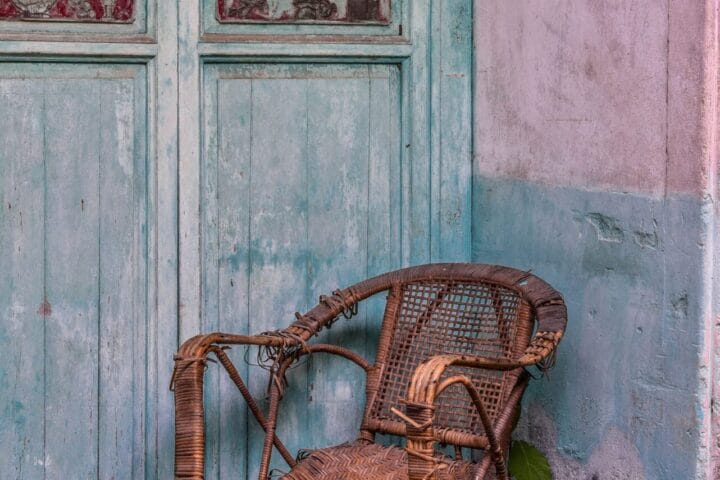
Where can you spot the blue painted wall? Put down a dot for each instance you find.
(631, 269)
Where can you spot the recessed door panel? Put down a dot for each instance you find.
(301, 192)
(73, 232)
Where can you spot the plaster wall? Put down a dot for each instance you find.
(595, 166)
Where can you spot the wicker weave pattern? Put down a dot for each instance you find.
(437, 318)
(358, 461)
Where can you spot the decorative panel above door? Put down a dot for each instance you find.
(292, 11)
(272, 18)
(78, 20)
(107, 11)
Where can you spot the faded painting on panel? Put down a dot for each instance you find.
(302, 11)
(96, 11)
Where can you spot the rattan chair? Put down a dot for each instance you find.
(450, 369)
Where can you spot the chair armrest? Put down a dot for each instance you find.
(323, 315)
(540, 350)
(187, 382)
(423, 392)
(426, 385)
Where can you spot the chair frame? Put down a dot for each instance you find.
(547, 317)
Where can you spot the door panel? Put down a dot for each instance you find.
(74, 243)
(300, 194)
(176, 173)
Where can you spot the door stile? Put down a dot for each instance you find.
(165, 296)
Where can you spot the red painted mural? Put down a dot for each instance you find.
(105, 11)
(290, 11)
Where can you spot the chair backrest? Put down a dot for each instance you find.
(451, 314)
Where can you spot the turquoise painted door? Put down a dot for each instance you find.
(88, 234)
(169, 168)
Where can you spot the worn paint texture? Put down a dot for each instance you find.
(595, 167)
(74, 393)
(312, 176)
(347, 11)
(110, 11)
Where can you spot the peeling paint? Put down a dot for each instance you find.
(112, 11)
(680, 305)
(630, 357)
(606, 227)
(45, 309)
(615, 457)
(645, 239)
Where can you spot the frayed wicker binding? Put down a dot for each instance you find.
(449, 369)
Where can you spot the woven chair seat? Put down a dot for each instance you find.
(358, 461)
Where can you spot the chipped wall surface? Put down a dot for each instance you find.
(630, 358)
(595, 167)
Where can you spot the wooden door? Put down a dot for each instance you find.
(88, 228)
(169, 168)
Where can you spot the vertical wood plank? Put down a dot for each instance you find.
(278, 234)
(384, 189)
(72, 159)
(121, 363)
(147, 272)
(22, 180)
(452, 128)
(418, 157)
(209, 277)
(435, 97)
(162, 237)
(225, 217)
(339, 129)
(189, 86)
(234, 146)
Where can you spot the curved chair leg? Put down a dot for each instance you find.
(483, 468)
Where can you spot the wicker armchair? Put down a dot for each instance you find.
(449, 369)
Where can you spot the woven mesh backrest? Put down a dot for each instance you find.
(445, 317)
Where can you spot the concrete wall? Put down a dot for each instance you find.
(595, 167)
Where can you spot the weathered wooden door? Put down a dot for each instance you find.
(174, 167)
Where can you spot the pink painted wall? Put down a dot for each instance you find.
(612, 95)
